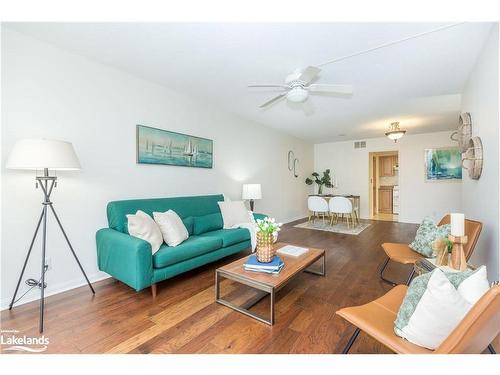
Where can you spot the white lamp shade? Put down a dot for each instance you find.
(36, 154)
(251, 191)
(457, 224)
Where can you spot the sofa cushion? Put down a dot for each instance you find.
(189, 223)
(229, 236)
(184, 206)
(207, 223)
(192, 247)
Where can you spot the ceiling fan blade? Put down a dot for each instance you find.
(273, 100)
(277, 85)
(337, 89)
(309, 74)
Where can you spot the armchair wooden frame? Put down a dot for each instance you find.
(473, 334)
(401, 253)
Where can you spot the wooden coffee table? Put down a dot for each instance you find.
(266, 283)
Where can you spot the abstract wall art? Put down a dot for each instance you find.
(443, 164)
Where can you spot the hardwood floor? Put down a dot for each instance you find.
(184, 318)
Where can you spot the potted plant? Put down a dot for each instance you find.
(325, 180)
(266, 229)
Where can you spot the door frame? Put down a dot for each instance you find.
(373, 201)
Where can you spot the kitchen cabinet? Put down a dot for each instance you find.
(385, 200)
(387, 165)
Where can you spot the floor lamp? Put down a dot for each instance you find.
(41, 154)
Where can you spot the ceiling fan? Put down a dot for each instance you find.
(298, 86)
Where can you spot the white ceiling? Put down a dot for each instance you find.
(417, 82)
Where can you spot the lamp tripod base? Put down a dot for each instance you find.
(47, 184)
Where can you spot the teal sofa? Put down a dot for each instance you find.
(129, 259)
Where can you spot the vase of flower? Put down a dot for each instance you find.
(267, 230)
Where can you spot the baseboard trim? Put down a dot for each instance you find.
(61, 288)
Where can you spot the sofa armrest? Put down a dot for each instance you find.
(259, 216)
(124, 257)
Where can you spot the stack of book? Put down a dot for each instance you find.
(274, 267)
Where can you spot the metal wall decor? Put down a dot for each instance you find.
(296, 168)
(293, 164)
(470, 147)
(291, 159)
(463, 133)
(472, 159)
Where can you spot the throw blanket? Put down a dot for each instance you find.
(253, 232)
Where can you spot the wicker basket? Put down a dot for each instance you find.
(265, 250)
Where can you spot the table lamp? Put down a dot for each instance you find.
(42, 154)
(459, 239)
(251, 192)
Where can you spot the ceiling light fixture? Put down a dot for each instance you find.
(297, 94)
(395, 132)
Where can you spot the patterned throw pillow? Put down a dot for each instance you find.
(427, 233)
(436, 302)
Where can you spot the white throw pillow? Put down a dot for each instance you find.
(438, 312)
(142, 226)
(172, 228)
(234, 213)
(473, 287)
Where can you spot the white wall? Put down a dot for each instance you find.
(50, 93)
(418, 198)
(480, 197)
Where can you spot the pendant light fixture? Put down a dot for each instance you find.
(394, 132)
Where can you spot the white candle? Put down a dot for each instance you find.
(457, 224)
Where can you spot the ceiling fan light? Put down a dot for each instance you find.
(297, 95)
(394, 132)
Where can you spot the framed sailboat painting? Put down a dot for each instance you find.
(158, 146)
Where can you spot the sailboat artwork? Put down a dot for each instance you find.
(158, 146)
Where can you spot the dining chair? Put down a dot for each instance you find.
(341, 206)
(317, 206)
(355, 208)
(401, 253)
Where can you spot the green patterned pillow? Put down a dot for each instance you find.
(415, 292)
(427, 233)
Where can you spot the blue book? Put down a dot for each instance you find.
(265, 270)
(275, 264)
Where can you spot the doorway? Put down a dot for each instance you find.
(384, 185)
